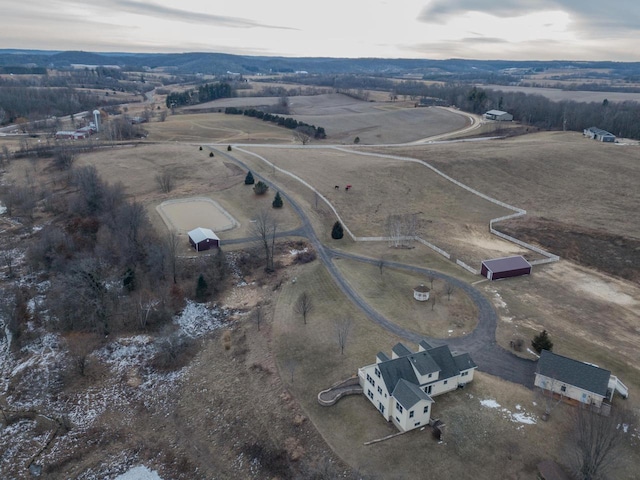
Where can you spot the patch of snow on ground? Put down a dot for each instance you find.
(128, 352)
(499, 302)
(489, 403)
(520, 417)
(197, 319)
(139, 473)
(3, 209)
(295, 252)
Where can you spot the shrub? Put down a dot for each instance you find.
(229, 148)
(260, 188)
(249, 180)
(542, 342)
(211, 154)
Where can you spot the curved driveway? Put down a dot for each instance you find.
(480, 344)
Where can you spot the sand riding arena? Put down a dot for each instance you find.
(185, 214)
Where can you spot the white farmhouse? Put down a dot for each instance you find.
(402, 387)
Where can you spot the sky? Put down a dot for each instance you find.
(427, 29)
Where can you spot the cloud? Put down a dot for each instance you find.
(589, 17)
(188, 16)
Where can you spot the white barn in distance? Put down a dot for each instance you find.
(498, 115)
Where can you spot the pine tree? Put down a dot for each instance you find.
(202, 289)
(337, 232)
(277, 201)
(249, 180)
(542, 342)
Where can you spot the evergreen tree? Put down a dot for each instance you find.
(260, 188)
(202, 289)
(542, 342)
(337, 232)
(277, 201)
(129, 280)
(249, 180)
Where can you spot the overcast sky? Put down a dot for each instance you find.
(432, 29)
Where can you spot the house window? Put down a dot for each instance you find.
(371, 380)
(397, 420)
(430, 375)
(416, 424)
(426, 409)
(427, 390)
(370, 394)
(381, 407)
(411, 414)
(377, 373)
(446, 381)
(464, 374)
(563, 388)
(398, 407)
(380, 390)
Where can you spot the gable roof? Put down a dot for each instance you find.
(442, 356)
(599, 131)
(425, 345)
(423, 363)
(401, 350)
(395, 370)
(408, 394)
(464, 362)
(573, 372)
(382, 357)
(495, 112)
(199, 234)
(506, 264)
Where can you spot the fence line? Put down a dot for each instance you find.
(518, 212)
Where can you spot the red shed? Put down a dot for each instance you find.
(505, 267)
(203, 239)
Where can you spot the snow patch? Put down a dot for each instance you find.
(139, 473)
(489, 403)
(520, 417)
(197, 319)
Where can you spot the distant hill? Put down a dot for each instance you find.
(219, 63)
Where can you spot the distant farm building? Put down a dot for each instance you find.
(203, 239)
(596, 133)
(505, 267)
(421, 293)
(498, 115)
(578, 381)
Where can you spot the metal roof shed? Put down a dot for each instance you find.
(203, 239)
(505, 267)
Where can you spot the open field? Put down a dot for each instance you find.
(558, 95)
(345, 118)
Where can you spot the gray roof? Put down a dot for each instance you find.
(382, 357)
(506, 263)
(495, 112)
(599, 131)
(401, 350)
(573, 372)
(426, 345)
(433, 360)
(442, 355)
(464, 361)
(199, 234)
(395, 370)
(424, 363)
(408, 394)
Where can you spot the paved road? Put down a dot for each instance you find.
(480, 344)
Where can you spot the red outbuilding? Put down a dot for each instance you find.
(203, 239)
(505, 267)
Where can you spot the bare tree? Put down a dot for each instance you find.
(596, 440)
(265, 228)
(401, 229)
(449, 289)
(433, 300)
(166, 181)
(303, 134)
(343, 328)
(431, 278)
(64, 157)
(172, 247)
(304, 305)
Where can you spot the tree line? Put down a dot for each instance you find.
(204, 93)
(287, 122)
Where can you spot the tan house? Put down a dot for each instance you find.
(402, 387)
(572, 379)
